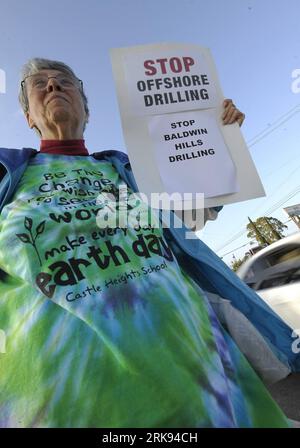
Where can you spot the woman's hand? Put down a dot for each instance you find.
(231, 114)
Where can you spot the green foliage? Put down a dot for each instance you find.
(270, 229)
(238, 262)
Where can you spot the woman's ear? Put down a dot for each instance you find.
(29, 120)
(31, 124)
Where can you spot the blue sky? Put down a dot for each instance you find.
(255, 44)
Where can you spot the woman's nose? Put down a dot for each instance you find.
(53, 84)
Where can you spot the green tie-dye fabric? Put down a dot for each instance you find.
(102, 327)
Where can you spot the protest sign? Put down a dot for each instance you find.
(171, 104)
(179, 142)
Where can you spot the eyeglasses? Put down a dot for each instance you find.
(40, 82)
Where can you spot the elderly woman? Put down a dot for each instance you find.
(110, 327)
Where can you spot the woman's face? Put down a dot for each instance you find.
(54, 102)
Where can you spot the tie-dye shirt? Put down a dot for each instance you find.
(101, 326)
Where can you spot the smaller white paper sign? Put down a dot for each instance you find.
(165, 81)
(191, 154)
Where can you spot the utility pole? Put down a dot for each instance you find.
(273, 230)
(259, 236)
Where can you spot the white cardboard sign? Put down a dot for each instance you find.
(184, 79)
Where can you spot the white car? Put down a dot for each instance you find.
(274, 273)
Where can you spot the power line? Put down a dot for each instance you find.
(258, 137)
(275, 125)
(227, 253)
(267, 212)
(247, 244)
(285, 180)
(292, 110)
(271, 210)
(282, 166)
(283, 200)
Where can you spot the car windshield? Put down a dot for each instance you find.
(280, 279)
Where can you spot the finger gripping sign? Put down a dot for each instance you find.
(171, 105)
